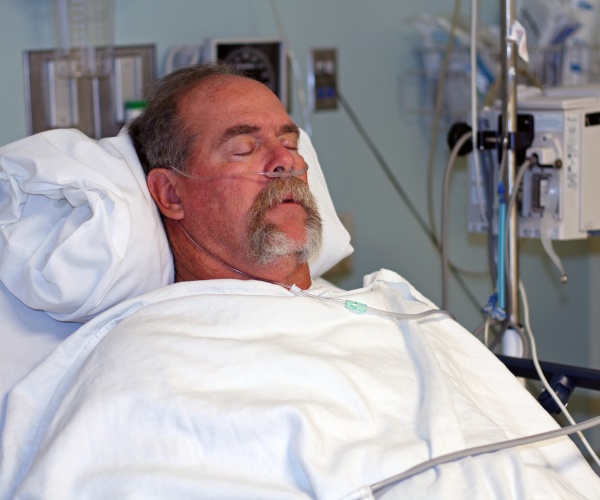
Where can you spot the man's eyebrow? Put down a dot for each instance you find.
(246, 129)
(236, 130)
(290, 128)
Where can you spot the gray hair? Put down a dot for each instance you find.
(159, 135)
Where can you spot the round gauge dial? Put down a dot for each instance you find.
(255, 63)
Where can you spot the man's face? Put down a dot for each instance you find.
(248, 220)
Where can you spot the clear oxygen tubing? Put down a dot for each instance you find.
(541, 375)
(222, 262)
(487, 328)
(275, 174)
(546, 226)
(298, 80)
(367, 492)
(350, 305)
(403, 195)
(439, 96)
(445, 209)
(362, 308)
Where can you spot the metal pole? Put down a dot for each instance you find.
(509, 68)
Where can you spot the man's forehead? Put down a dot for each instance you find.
(223, 96)
(209, 91)
(227, 106)
(215, 87)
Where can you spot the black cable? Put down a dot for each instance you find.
(396, 185)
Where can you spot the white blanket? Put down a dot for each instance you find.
(239, 389)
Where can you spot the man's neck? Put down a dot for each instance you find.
(194, 262)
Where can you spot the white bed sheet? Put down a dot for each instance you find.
(80, 233)
(231, 388)
(26, 338)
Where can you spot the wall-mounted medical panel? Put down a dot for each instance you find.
(558, 196)
(93, 105)
(322, 79)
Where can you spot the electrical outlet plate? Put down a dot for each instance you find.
(322, 79)
(55, 101)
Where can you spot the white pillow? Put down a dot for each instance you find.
(80, 233)
(336, 239)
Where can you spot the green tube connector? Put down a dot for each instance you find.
(356, 307)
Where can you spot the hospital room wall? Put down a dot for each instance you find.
(376, 53)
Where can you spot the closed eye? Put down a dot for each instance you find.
(242, 146)
(290, 143)
(243, 153)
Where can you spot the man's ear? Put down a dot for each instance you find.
(161, 184)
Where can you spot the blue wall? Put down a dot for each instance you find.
(376, 53)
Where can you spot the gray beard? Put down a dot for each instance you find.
(266, 242)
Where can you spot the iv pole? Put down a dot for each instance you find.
(511, 341)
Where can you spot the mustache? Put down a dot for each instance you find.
(279, 191)
(266, 242)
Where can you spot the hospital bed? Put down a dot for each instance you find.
(80, 234)
(116, 382)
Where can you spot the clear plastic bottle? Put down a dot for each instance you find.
(84, 32)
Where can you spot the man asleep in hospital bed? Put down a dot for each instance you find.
(250, 377)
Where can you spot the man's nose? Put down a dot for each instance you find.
(281, 159)
(285, 163)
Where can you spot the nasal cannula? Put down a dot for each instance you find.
(351, 305)
(362, 308)
(278, 173)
